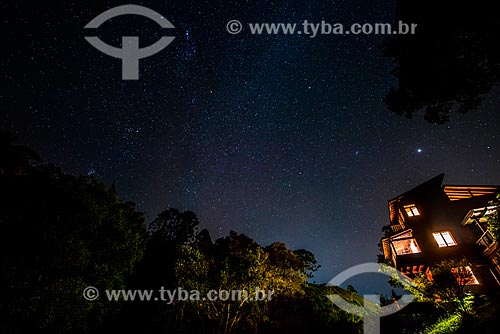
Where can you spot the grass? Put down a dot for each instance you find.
(448, 325)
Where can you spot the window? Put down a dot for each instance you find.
(405, 244)
(465, 276)
(411, 210)
(444, 239)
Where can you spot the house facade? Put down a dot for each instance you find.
(433, 222)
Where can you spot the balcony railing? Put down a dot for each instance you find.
(396, 228)
(486, 240)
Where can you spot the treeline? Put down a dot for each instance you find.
(61, 233)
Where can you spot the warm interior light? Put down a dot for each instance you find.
(406, 246)
(465, 276)
(414, 247)
(444, 239)
(411, 210)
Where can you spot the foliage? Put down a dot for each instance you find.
(446, 282)
(447, 325)
(175, 227)
(14, 158)
(61, 233)
(177, 255)
(350, 288)
(483, 318)
(494, 220)
(307, 261)
(451, 61)
(312, 312)
(173, 235)
(237, 263)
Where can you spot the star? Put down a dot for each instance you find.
(261, 135)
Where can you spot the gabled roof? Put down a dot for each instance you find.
(393, 213)
(435, 180)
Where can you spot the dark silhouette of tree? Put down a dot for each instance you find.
(351, 288)
(308, 260)
(60, 234)
(451, 61)
(175, 227)
(14, 158)
(168, 232)
(203, 240)
(313, 313)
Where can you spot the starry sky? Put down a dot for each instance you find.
(283, 138)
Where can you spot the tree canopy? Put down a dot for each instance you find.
(60, 234)
(451, 61)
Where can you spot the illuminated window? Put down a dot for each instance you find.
(405, 244)
(411, 210)
(465, 276)
(444, 239)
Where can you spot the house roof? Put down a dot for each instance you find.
(435, 180)
(393, 210)
(458, 192)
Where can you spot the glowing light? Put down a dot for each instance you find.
(414, 247)
(444, 239)
(411, 210)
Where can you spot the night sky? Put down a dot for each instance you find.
(283, 138)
